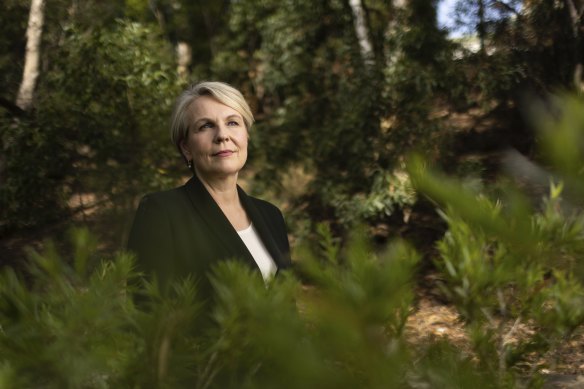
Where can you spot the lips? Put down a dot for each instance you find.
(223, 153)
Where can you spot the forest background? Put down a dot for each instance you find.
(344, 92)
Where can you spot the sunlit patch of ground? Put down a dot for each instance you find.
(433, 320)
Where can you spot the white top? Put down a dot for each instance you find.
(258, 251)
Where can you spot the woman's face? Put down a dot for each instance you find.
(216, 141)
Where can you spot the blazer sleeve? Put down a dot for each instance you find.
(283, 241)
(151, 241)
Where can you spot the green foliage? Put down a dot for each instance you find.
(65, 323)
(419, 71)
(503, 262)
(99, 126)
(125, 105)
(321, 106)
(561, 140)
(98, 129)
(108, 79)
(443, 366)
(512, 50)
(377, 288)
(73, 323)
(390, 191)
(259, 337)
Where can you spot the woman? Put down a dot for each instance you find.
(184, 231)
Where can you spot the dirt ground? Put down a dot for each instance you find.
(434, 319)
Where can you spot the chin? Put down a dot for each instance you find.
(221, 173)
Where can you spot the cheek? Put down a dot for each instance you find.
(197, 145)
(244, 145)
(245, 138)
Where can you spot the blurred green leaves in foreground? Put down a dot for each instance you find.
(77, 325)
(338, 320)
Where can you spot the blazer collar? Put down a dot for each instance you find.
(221, 228)
(216, 222)
(262, 228)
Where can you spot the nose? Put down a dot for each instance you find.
(222, 134)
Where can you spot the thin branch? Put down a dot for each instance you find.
(575, 15)
(158, 15)
(573, 10)
(206, 378)
(513, 328)
(506, 7)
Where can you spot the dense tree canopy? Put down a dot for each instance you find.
(345, 117)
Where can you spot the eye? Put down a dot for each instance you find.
(205, 126)
(233, 123)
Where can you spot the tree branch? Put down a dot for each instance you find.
(506, 7)
(575, 15)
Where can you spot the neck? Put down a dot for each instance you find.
(222, 190)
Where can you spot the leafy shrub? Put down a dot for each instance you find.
(73, 323)
(390, 192)
(505, 263)
(98, 127)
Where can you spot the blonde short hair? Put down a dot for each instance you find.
(222, 92)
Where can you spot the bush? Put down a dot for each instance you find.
(390, 192)
(98, 128)
(73, 323)
(505, 262)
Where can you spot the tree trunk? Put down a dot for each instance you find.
(183, 59)
(399, 4)
(31, 60)
(481, 30)
(362, 32)
(576, 11)
(392, 54)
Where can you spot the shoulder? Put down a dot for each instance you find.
(157, 212)
(161, 208)
(165, 195)
(269, 213)
(167, 198)
(265, 206)
(254, 205)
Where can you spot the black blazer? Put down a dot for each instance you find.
(183, 232)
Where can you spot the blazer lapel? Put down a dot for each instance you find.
(216, 221)
(262, 228)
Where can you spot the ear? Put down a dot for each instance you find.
(185, 150)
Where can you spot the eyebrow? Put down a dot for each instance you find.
(205, 119)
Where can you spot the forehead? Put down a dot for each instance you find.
(207, 107)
